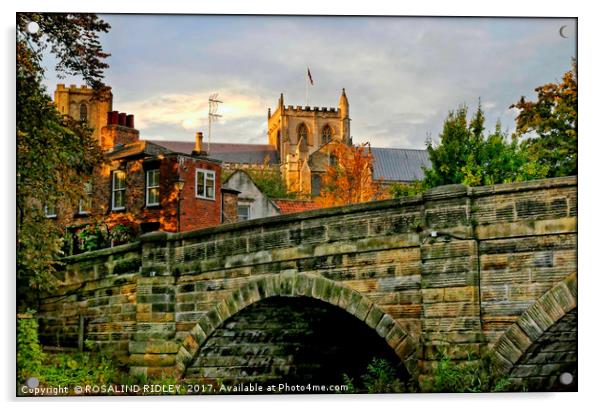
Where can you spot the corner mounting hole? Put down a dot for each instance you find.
(566, 378)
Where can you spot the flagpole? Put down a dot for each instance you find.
(307, 88)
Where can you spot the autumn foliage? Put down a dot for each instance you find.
(348, 178)
(553, 118)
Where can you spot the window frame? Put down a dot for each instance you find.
(326, 138)
(304, 127)
(87, 196)
(83, 113)
(50, 215)
(113, 190)
(148, 188)
(247, 207)
(206, 173)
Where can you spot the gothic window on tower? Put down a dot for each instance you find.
(302, 132)
(83, 112)
(326, 134)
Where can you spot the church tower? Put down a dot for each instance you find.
(110, 128)
(298, 132)
(80, 104)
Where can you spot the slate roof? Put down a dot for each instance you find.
(289, 206)
(226, 152)
(136, 149)
(399, 164)
(390, 164)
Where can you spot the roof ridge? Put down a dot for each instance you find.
(401, 149)
(223, 143)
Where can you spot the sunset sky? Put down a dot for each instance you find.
(402, 75)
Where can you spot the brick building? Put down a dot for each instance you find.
(142, 186)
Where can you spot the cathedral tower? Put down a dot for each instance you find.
(298, 132)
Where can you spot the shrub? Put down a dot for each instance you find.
(380, 377)
(29, 351)
(476, 376)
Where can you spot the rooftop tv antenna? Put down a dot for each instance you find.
(213, 116)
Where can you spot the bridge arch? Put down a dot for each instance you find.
(293, 284)
(555, 308)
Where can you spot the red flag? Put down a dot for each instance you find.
(311, 80)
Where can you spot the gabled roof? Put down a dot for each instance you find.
(289, 206)
(399, 164)
(229, 153)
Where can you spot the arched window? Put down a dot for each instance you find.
(302, 132)
(326, 134)
(83, 112)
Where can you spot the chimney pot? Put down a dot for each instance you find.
(129, 121)
(122, 116)
(114, 118)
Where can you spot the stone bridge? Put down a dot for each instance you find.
(457, 271)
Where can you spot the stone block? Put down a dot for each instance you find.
(530, 326)
(433, 295)
(335, 293)
(362, 309)
(518, 337)
(153, 347)
(198, 333)
(354, 302)
(183, 356)
(345, 298)
(385, 325)
(190, 344)
(152, 360)
(404, 348)
(374, 317)
(563, 296)
(508, 349)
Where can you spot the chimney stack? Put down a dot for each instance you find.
(198, 145)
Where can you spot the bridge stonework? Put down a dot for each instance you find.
(457, 270)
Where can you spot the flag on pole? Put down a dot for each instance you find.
(311, 80)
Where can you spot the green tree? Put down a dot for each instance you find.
(553, 117)
(55, 154)
(465, 155)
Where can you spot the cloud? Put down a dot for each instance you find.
(402, 75)
(189, 112)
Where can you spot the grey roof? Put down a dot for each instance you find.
(398, 164)
(234, 153)
(136, 149)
